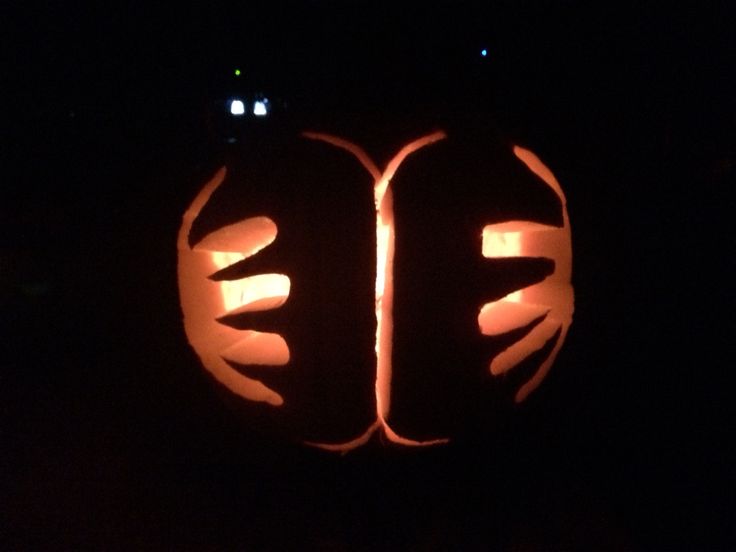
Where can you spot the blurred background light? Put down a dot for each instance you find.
(237, 107)
(260, 108)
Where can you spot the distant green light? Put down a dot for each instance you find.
(237, 72)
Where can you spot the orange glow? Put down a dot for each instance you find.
(260, 292)
(203, 300)
(497, 243)
(499, 317)
(501, 244)
(507, 239)
(383, 197)
(242, 239)
(550, 301)
(207, 296)
(384, 309)
(346, 447)
(258, 348)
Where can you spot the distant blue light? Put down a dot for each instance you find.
(484, 52)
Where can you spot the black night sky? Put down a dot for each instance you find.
(112, 437)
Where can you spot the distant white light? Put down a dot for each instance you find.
(260, 108)
(237, 107)
(484, 52)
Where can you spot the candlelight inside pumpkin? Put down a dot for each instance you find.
(215, 291)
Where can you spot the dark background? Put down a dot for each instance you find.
(112, 436)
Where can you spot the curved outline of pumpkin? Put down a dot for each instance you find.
(545, 309)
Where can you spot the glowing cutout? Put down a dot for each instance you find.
(258, 348)
(383, 198)
(244, 238)
(260, 292)
(505, 315)
(204, 300)
(552, 298)
(207, 294)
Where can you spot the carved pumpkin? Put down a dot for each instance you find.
(337, 298)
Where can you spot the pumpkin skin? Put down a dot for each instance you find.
(303, 198)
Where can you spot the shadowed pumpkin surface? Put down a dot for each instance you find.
(111, 435)
(322, 204)
(317, 187)
(443, 198)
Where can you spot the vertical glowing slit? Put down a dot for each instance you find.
(384, 298)
(383, 197)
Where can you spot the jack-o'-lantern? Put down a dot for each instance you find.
(338, 297)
